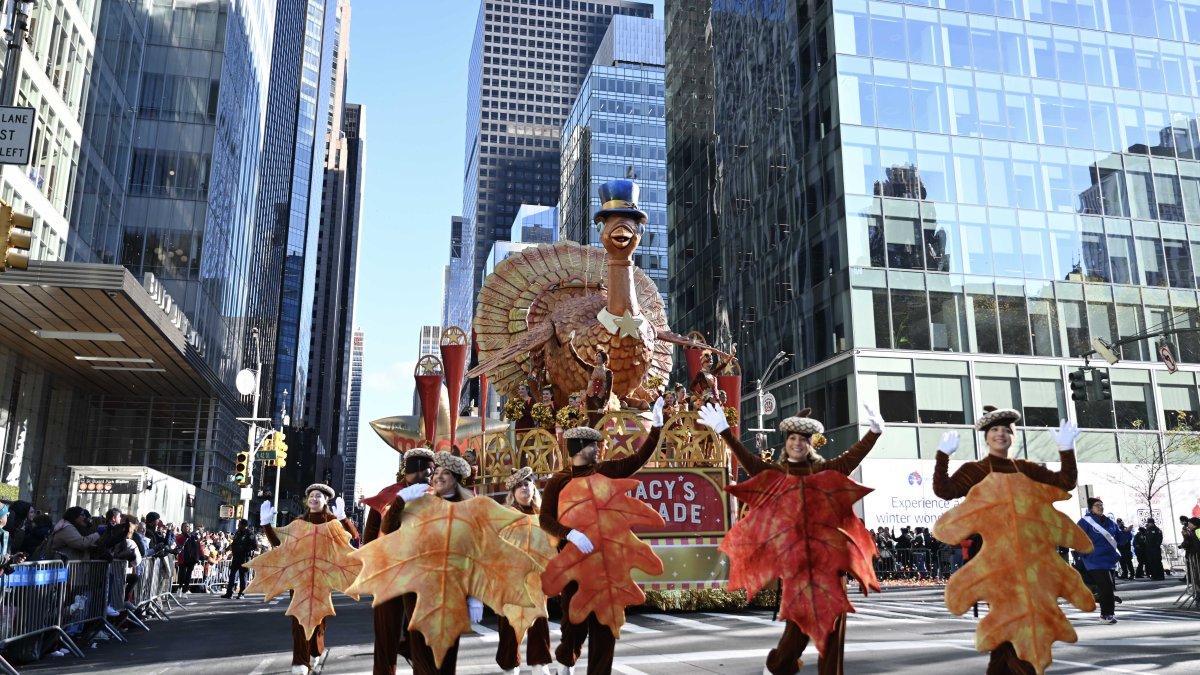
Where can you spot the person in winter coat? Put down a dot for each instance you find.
(17, 515)
(72, 537)
(7, 560)
(1104, 557)
(190, 554)
(1154, 540)
(242, 547)
(1124, 545)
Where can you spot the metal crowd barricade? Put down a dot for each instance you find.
(1190, 597)
(218, 577)
(119, 605)
(31, 604)
(85, 601)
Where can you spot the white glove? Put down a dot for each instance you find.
(713, 417)
(266, 513)
(657, 412)
(581, 541)
(339, 508)
(413, 492)
(949, 443)
(1065, 435)
(874, 419)
(474, 610)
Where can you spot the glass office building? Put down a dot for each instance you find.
(616, 129)
(940, 204)
(289, 200)
(527, 61)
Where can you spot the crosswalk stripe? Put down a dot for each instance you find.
(634, 628)
(686, 623)
(745, 618)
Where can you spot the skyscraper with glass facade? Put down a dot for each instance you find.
(616, 129)
(939, 204)
(527, 61)
(289, 200)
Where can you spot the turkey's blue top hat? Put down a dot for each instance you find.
(619, 197)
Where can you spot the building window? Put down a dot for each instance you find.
(942, 398)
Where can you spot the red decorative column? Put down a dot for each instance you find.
(455, 351)
(428, 375)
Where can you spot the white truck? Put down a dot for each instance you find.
(136, 490)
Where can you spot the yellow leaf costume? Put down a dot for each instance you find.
(1018, 572)
(313, 561)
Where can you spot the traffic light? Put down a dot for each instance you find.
(241, 469)
(1079, 385)
(280, 449)
(17, 232)
(1102, 386)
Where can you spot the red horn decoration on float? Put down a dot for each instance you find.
(428, 374)
(692, 356)
(455, 351)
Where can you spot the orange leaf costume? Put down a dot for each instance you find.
(1018, 522)
(598, 506)
(312, 560)
(444, 552)
(802, 529)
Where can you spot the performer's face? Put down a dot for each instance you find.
(443, 481)
(669, 398)
(797, 446)
(523, 493)
(547, 398)
(421, 475)
(999, 439)
(591, 453)
(1098, 508)
(317, 501)
(523, 391)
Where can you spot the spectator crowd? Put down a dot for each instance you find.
(33, 535)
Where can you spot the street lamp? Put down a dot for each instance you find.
(12, 59)
(779, 361)
(250, 382)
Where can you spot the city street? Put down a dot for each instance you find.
(904, 631)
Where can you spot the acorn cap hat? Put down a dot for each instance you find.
(579, 438)
(993, 416)
(801, 424)
(455, 465)
(519, 476)
(321, 487)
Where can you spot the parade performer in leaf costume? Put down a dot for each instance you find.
(1013, 561)
(391, 624)
(310, 561)
(835, 546)
(523, 496)
(583, 446)
(446, 482)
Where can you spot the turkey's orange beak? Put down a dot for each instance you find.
(622, 235)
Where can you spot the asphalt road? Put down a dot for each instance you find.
(904, 631)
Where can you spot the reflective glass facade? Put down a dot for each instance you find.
(527, 62)
(189, 220)
(617, 129)
(289, 201)
(939, 204)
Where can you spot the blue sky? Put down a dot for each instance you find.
(408, 64)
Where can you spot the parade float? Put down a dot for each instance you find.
(567, 335)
